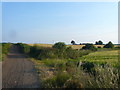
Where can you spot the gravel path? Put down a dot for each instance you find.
(18, 71)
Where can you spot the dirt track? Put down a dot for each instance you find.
(18, 71)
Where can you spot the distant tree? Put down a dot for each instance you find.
(89, 47)
(59, 45)
(99, 42)
(73, 42)
(109, 45)
(96, 43)
(80, 43)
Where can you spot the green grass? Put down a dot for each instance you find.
(110, 57)
(53, 62)
(59, 73)
(1, 52)
(0, 55)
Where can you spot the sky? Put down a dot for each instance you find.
(51, 22)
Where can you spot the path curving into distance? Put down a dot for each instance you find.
(18, 71)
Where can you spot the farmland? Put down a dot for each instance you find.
(61, 66)
(51, 69)
(60, 45)
(47, 68)
(110, 57)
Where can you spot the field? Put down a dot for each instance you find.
(73, 46)
(110, 57)
(52, 70)
(63, 67)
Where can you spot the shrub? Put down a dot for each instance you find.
(109, 45)
(99, 46)
(88, 66)
(34, 51)
(74, 54)
(47, 53)
(56, 81)
(89, 47)
(5, 47)
(106, 77)
(99, 42)
(42, 52)
(59, 45)
(24, 48)
(73, 42)
(73, 84)
(84, 52)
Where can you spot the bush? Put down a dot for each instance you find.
(109, 45)
(59, 45)
(5, 47)
(59, 51)
(99, 42)
(74, 54)
(56, 81)
(89, 47)
(24, 48)
(84, 52)
(34, 51)
(46, 53)
(88, 66)
(99, 46)
(106, 77)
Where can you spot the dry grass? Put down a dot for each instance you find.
(42, 45)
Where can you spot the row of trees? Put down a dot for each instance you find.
(61, 46)
(92, 47)
(96, 43)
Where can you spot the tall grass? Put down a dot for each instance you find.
(60, 69)
(106, 77)
(4, 49)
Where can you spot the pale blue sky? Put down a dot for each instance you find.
(54, 21)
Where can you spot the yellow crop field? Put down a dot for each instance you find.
(42, 45)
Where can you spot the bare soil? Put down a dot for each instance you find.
(18, 71)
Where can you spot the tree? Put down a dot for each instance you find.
(109, 45)
(73, 42)
(60, 49)
(96, 43)
(89, 47)
(59, 45)
(99, 42)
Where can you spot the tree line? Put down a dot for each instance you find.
(108, 45)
